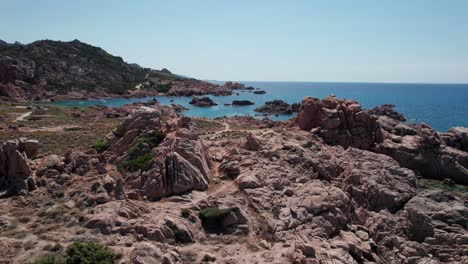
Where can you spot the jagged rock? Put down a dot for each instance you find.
(248, 180)
(456, 137)
(50, 165)
(424, 154)
(339, 122)
(369, 186)
(76, 162)
(180, 176)
(15, 172)
(252, 143)
(29, 146)
(387, 110)
(180, 161)
(230, 168)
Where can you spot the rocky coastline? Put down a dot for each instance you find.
(337, 183)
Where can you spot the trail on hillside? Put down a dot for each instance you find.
(22, 117)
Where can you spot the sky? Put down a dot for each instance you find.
(343, 41)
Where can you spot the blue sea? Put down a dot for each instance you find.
(440, 105)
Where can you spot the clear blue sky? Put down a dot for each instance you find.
(329, 40)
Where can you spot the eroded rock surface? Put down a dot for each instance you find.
(339, 122)
(15, 172)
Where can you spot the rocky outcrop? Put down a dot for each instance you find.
(339, 122)
(278, 107)
(15, 173)
(417, 147)
(425, 154)
(242, 102)
(179, 108)
(259, 92)
(234, 86)
(202, 102)
(160, 154)
(387, 110)
(456, 137)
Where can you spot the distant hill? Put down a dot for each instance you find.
(47, 68)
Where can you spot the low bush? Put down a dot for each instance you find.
(141, 163)
(80, 253)
(100, 146)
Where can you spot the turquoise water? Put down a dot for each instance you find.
(440, 105)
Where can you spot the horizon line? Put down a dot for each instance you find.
(365, 82)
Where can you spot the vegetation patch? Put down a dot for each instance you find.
(141, 163)
(100, 146)
(140, 157)
(435, 184)
(80, 253)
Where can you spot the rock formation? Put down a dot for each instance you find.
(160, 158)
(15, 172)
(202, 102)
(418, 147)
(242, 102)
(278, 107)
(166, 191)
(339, 122)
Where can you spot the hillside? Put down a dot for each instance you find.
(59, 70)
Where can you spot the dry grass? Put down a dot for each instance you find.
(56, 136)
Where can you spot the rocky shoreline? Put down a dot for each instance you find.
(337, 183)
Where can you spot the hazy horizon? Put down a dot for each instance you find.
(303, 41)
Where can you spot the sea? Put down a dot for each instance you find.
(440, 105)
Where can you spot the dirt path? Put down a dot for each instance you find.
(22, 117)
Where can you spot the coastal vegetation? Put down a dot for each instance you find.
(80, 253)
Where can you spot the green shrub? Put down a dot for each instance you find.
(141, 163)
(50, 258)
(163, 88)
(152, 139)
(118, 131)
(100, 146)
(87, 253)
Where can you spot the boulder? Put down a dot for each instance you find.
(387, 110)
(252, 143)
(456, 137)
(15, 173)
